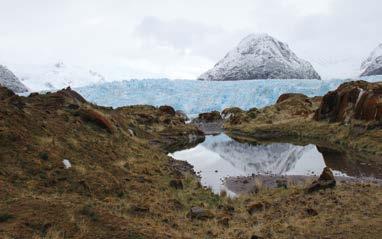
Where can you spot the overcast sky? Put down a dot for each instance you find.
(183, 38)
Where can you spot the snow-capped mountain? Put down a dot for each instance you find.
(260, 56)
(277, 158)
(373, 64)
(56, 76)
(9, 80)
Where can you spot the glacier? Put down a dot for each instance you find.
(194, 97)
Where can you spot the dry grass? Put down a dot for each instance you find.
(119, 186)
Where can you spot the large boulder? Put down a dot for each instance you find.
(209, 117)
(200, 213)
(358, 100)
(326, 180)
(231, 112)
(167, 110)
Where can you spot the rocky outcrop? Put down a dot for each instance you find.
(9, 80)
(200, 213)
(287, 96)
(260, 57)
(359, 100)
(231, 112)
(167, 109)
(209, 123)
(209, 117)
(373, 64)
(326, 180)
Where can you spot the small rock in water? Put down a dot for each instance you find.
(216, 171)
(66, 163)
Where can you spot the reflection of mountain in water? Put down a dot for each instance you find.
(277, 158)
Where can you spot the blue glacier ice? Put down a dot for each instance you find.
(194, 97)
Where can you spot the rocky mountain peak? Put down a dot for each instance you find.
(373, 64)
(260, 56)
(9, 80)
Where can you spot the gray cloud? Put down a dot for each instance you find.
(181, 39)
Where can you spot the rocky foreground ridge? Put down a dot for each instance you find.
(72, 169)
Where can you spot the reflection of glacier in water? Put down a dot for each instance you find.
(220, 156)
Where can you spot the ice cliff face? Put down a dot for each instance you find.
(260, 57)
(373, 64)
(9, 80)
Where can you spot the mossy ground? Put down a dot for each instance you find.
(119, 182)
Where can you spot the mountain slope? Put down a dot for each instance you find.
(260, 57)
(9, 80)
(373, 64)
(57, 76)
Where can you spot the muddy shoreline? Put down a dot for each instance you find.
(254, 183)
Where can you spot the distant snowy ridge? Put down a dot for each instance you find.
(57, 76)
(373, 64)
(9, 80)
(260, 56)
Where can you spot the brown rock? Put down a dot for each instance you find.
(229, 112)
(210, 116)
(359, 100)
(176, 183)
(167, 110)
(253, 112)
(287, 96)
(200, 213)
(256, 207)
(326, 180)
(69, 93)
(311, 212)
(326, 175)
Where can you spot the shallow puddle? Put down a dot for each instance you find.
(219, 157)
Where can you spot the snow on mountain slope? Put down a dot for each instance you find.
(57, 76)
(373, 64)
(9, 80)
(260, 56)
(277, 158)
